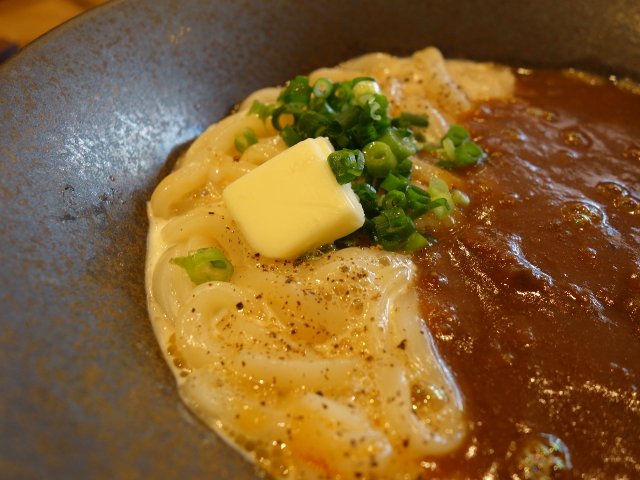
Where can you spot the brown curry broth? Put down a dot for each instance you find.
(538, 316)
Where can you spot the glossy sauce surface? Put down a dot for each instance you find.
(534, 302)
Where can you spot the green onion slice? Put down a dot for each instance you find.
(407, 119)
(371, 112)
(263, 111)
(460, 198)
(368, 198)
(469, 153)
(342, 90)
(379, 160)
(205, 265)
(245, 139)
(298, 91)
(395, 182)
(415, 242)
(295, 109)
(417, 197)
(366, 133)
(457, 134)
(394, 198)
(346, 165)
(344, 121)
(364, 89)
(405, 167)
(347, 241)
(400, 145)
(393, 225)
(439, 203)
(449, 149)
(310, 122)
(357, 80)
(389, 244)
(439, 190)
(322, 88)
(290, 136)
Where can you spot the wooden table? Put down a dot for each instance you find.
(22, 21)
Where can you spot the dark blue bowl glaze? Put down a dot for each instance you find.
(91, 116)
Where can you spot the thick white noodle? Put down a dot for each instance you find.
(309, 368)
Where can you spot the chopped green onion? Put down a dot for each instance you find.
(342, 90)
(366, 133)
(365, 89)
(322, 88)
(245, 139)
(205, 265)
(421, 210)
(393, 224)
(263, 111)
(364, 99)
(449, 149)
(459, 151)
(401, 146)
(415, 242)
(347, 241)
(379, 160)
(447, 164)
(457, 134)
(343, 141)
(346, 165)
(394, 198)
(344, 121)
(355, 116)
(371, 112)
(395, 182)
(323, 108)
(407, 119)
(419, 136)
(390, 245)
(438, 189)
(431, 147)
(382, 101)
(290, 136)
(469, 153)
(416, 197)
(437, 186)
(375, 112)
(357, 80)
(405, 167)
(295, 109)
(310, 122)
(368, 198)
(459, 198)
(298, 91)
(404, 132)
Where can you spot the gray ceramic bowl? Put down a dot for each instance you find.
(89, 116)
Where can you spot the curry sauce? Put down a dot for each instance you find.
(534, 302)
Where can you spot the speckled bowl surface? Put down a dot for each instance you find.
(91, 116)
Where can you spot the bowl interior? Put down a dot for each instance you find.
(92, 116)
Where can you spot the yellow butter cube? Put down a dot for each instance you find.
(293, 202)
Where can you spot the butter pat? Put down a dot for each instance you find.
(293, 202)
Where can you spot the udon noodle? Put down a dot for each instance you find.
(319, 368)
